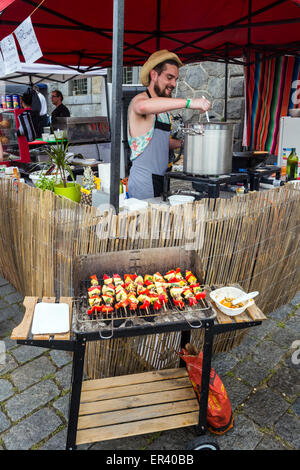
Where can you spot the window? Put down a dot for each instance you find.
(127, 75)
(130, 75)
(80, 86)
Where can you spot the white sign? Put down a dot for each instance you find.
(2, 66)
(28, 42)
(10, 54)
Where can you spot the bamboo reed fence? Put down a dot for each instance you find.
(252, 240)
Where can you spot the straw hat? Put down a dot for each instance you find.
(157, 58)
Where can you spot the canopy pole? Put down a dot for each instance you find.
(226, 85)
(158, 11)
(116, 104)
(249, 30)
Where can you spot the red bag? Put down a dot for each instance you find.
(219, 414)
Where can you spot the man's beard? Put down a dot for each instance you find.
(161, 93)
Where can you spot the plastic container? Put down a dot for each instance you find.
(233, 293)
(180, 199)
(16, 102)
(9, 102)
(240, 190)
(3, 102)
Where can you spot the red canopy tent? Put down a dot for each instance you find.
(81, 33)
(125, 32)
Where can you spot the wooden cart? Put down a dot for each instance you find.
(142, 403)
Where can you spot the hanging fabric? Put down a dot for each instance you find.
(272, 88)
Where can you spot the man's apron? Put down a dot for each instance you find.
(147, 172)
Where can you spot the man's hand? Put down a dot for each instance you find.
(200, 103)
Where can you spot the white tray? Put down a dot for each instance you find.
(50, 318)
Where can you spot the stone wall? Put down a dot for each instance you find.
(208, 79)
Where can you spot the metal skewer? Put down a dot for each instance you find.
(206, 112)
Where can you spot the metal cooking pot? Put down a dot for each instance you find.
(208, 148)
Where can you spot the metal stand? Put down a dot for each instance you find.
(257, 175)
(210, 184)
(78, 346)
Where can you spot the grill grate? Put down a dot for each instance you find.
(126, 318)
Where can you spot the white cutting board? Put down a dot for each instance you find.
(50, 318)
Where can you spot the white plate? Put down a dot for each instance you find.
(50, 318)
(180, 199)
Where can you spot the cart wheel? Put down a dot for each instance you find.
(203, 443)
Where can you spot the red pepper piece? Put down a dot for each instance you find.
(95, 307)
(192, 301)
(122, 304)
(156, 305)
(133, 306)
(106, 309)
(162, 299)
(178, 303)
(200, 295)
(145, 305)
(144, 292)
(194, 285)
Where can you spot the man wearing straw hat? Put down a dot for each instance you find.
(149, 124)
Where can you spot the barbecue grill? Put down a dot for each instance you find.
(126, 322)
(136, 403)
(124, 318)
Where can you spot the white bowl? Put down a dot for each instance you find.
(294, 112)
(231, 292)
(178, 199)
(35, 176)
(45, 137)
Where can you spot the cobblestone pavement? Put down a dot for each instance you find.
(261, 376)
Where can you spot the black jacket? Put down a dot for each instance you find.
(60, 111)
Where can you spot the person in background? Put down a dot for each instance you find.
(26, 127)
(1, 153)
(149, 124)
(60, 109)
(43, 119)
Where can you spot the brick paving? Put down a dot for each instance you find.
(261, 376)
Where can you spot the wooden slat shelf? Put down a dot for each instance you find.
(135, 404)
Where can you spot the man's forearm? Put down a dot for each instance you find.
(159, 105)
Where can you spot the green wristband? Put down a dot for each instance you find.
(188, 102)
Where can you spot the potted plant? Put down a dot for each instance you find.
(58, 157)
